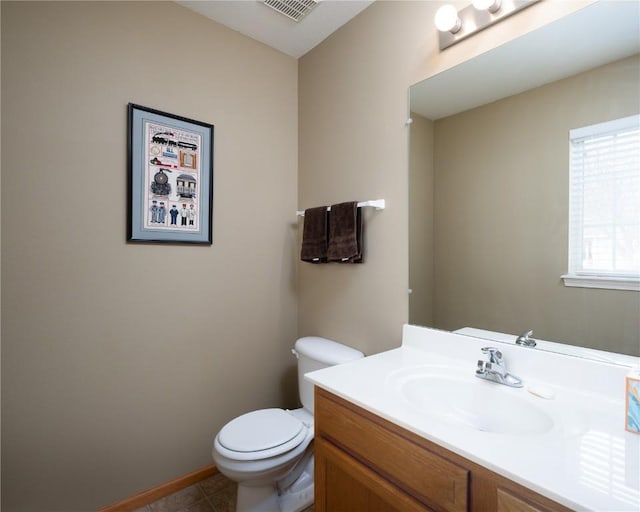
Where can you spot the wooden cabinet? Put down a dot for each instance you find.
(367, 464)
(508, 502)
(348, 485)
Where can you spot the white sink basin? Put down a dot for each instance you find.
(473, 403)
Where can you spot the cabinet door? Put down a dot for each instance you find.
(508, 502)
(343, 484)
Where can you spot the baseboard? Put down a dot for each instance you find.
(149, 496)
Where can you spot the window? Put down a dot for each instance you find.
(604, 205)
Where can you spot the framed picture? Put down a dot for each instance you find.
(170, 178)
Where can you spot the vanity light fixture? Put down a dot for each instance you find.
(447, 19)
(487, 5)
(454, 26)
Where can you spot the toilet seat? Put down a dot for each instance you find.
(260, 434)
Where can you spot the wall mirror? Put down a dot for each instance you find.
(489, 183)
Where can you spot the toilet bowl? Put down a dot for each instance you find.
(269, 452)
(262, 446)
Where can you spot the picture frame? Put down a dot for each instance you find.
(170, 178)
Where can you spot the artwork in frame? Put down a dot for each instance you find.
(170, 178)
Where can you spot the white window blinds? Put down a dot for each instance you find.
(604, 219)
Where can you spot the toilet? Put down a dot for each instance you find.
(269, 451)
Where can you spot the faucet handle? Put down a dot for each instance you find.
(524, 339)
(495, 356)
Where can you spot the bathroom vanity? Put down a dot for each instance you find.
(366, 463)
(413, 429)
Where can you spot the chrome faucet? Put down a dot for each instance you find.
(494, 369)
(525, 341)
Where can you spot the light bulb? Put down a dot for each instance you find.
(447, 19)
(487, 5)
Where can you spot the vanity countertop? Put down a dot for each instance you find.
(585, 460)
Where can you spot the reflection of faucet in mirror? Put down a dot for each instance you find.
(525, 341)
(494, 369)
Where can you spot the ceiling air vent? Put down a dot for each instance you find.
(294, 9)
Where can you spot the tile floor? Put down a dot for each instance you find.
(214, 494)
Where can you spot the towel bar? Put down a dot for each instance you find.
(378, 204)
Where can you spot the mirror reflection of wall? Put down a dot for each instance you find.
(489, 201)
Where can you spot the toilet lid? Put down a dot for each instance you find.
(262, 430)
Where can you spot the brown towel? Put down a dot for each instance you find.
(345, 233)
(314, 235)
(359, 258)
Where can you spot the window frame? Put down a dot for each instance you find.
(577, 276)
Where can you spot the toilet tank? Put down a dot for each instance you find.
(315, 353)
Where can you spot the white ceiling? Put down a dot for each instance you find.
(254, 19)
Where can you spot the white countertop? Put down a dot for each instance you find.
(585, 461)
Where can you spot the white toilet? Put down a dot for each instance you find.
(268, 451)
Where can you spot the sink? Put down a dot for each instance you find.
(472, 403)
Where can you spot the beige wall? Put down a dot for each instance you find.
(121, 361)
(353, 144)
(501, 214)
(421, 250)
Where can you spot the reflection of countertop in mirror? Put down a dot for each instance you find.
(573, 448)
(569, 350)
